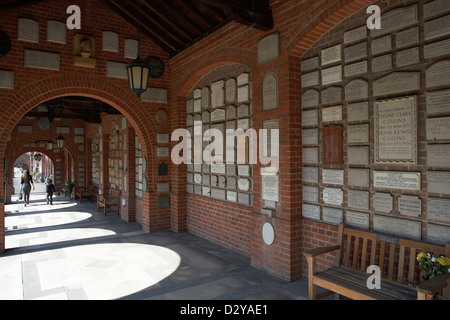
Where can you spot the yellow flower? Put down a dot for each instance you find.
(421, 255)
(444, 261)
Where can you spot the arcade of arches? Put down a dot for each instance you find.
(315, 68)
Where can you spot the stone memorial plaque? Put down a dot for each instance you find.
(131, 48)
(163, 187)
(162, 138)
(206, 117)
(438, 128)
(310, 155)
(355, 52)
(189, 120)
(310, 174)
(332, 95)
(333, 196)
(357, 219)
(218, 168)
(243, 184)
(205, 98)
(310, 118)
(243, 111)
(382, 63)
(231, 112)
(218, 194)
(310, 193)
(311, 211)
(399, 227)
(197, 93)
(358, 199)
(270, 92)
(333, 215)
(110, 41)
(438, 234)
(358, 111)
(436, 28)
(222, 182)
(358, 155)
(435, 7)
(243, 124)
(270, 187)
(354, 69)
(244, 198)
(381, 45)
(355, 34)
(310, 98)
(438, 74)
(28, 30)
(333, 144)
(396, 19)
(358, 133)
(243, 170)
(190, 106)
(395, 132)
(214, 181)
(436, 49)
(162, 152)
(197, 189)
(437, 209)
(396, 82)
(230, 90)
(56, 31)
(218, 115)
(332, 176)
(42, 60)
(397, 180)
(310, 136)
(357, 89)
(438, 155)
(383, 202)
(243, 94)
(116, 70)
(358, 177)
(310, 79)
(243, 78)
(332, 114)
(268, 48)
(217, 94)
(332, 75)
(158, 95)
(206, 191)
(407, 38)
(438, 182)
(331, 55)
(6, 79)
(407, 57)
(409, 205)
(163, 201)
(310, 64)
(232, 196)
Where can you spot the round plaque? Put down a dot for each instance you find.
(268, 233)
(161, 115)
(156, 67)
(44, 123)
(5, 44)
(144, 165)
(81, 147)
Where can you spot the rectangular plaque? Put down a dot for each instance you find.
(358, 111)
(407, 37)
(435, 7)
(396, 82)
(332, 114)
(358, 177)
(333, 196)
(399, 227)
(438, 128)
(438, 74)
(437, 209)
(28, 30)
(438, 182)
(438, 102)
(310, 136)
(310, 193)
(131, 48)
(311, 211)
(382, 63)
(231, 195)
(162, 151)
(355, 34)
(162, 187)
(116, 70)
(381, 45)
(332, 176)
(158, 95)
(270, 187)
(6, 79)
(333, 144)
(355, 52)
(395, 132)
(358, 133)
(268, 48)
(333, 215)
(110, 41)
(42, 60)
(310, 174)
(407, 57)
(357, 219)
(217, 94)
(332, 95)
(436, 49)
(358, 155)
(357, 89)
(397, 19)
(243, 93)
(397, 180)
(438, 234)
(310, 79)
(436, 28)
(358, 199)
(56, 31)
(310, 64)
(310, 118)
(310, 155)
(354, 69)
(383, 202)
(410, 205)
(332, 75)
(438, 155)
(310, 98)
(330, 55)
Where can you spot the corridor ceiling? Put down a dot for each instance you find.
(175, 25)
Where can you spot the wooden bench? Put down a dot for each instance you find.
(89, 193)
(400, 274)
(110, 200)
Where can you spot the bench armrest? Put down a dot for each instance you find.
(319, 251)
(434, 285)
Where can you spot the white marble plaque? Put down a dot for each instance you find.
(42, 60)
(382, 63)
(310, 193)
(243, 94)
(270, 187)
(357, 89)
(190, 106)
(116, 70)
(310, 174)
(333, 196)
(310, 136)
(231, 195)
(358, 199)
(332, 75)
(396, 82)
(407, 57)
(437, 209)
(311, 211)
(162, 151)
(270, 92)
(131, 48)
(331, 55)
(56, 31)
(217, 94)
(438, 74)
(409, 205)
(110, 41)
(268, 48)
(310, 155)
(218, 115)
(436, 28)
(310, 79)
(332, 114)
(331, 95)
(400, 227)
(381, 45)
(395, 131)
(358, 133)
(357, 219)
(355, 52)
(438, 128)
(358, 111)
(358, 177)
(438, 155)
(354, 69)
(163, 187)
(230, 90)
(397, 180)
(310, 64)
(435, 7)
(383, 202)
(243, 78)
(333, 215)
(162, 138)
(310, 98)
(28, 30)
(243, 184)
(355, 34)
(358, 155)
(205, 98)
(407, 38)
(438, 234)
(438, 182)
(310, 118)
(6, 79)
(396, 19)
(436, 49)
(332, 176)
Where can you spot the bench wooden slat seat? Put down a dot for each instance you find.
(396, 258)
(89, 193)
(111, 200)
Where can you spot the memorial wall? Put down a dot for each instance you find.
(376, 123)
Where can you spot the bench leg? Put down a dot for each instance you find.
(423, 296)
(311, 271)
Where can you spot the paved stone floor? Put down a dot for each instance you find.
(70, 251)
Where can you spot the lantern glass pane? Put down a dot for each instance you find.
(137, 74)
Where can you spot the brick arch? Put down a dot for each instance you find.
(316, 24)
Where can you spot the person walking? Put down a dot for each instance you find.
(50, 188)
(26, 182)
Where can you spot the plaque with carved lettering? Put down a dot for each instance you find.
(333, 144)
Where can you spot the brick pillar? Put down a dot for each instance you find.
(128, 212)
(104, 165)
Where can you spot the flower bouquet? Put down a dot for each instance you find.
(433, 266)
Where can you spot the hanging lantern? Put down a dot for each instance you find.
(60, 141)
(138, 72)
(49, 145)
(37, 157)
